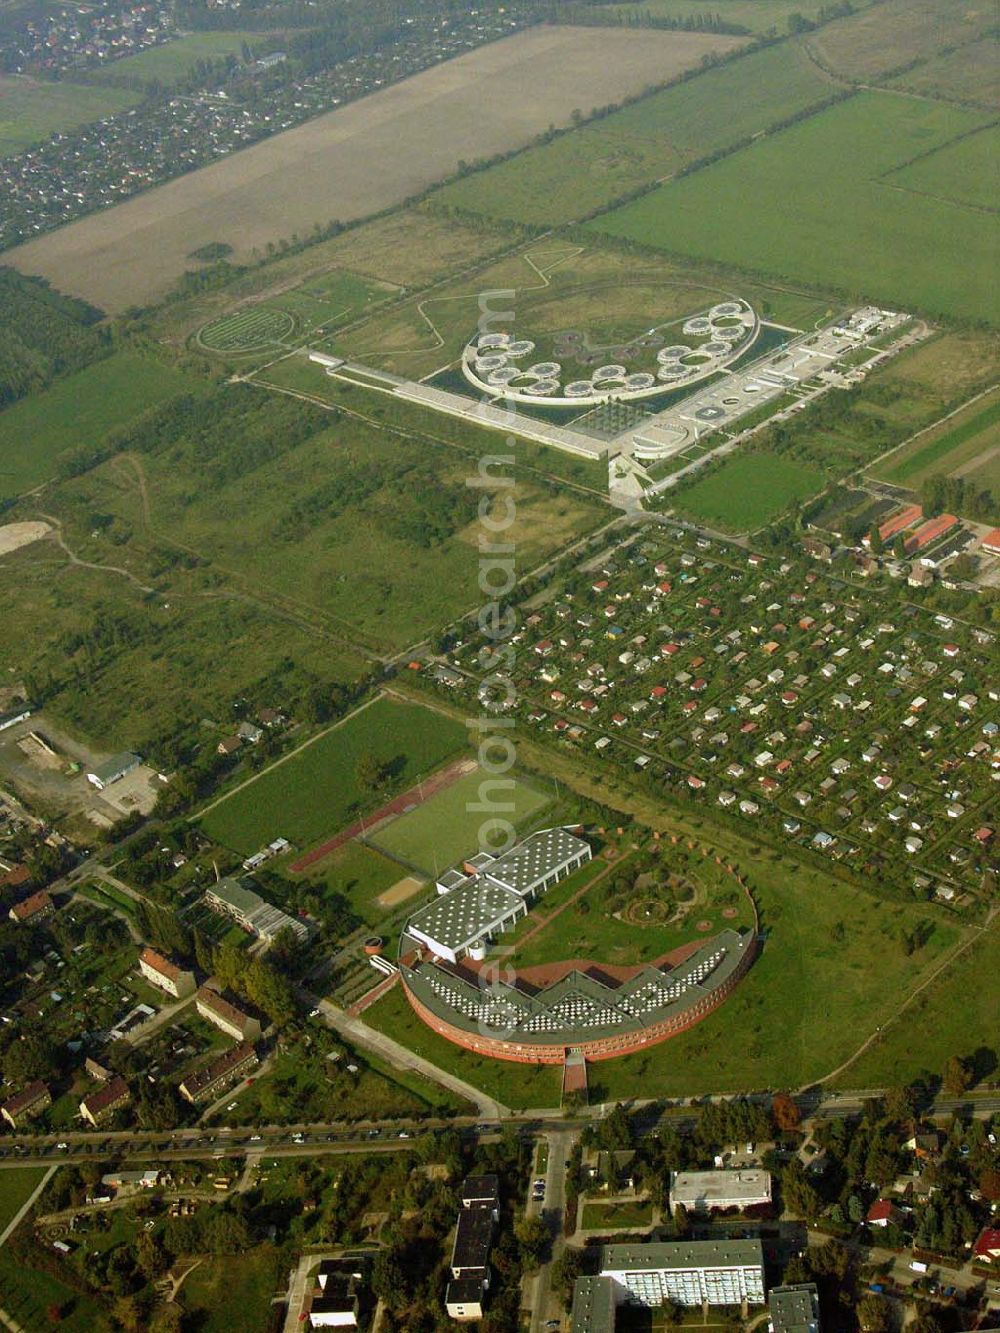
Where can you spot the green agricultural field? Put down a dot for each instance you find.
(969, 74)
(952, 1018)
(971, 435)
(965, 172)
(435, 835)
(879, 39)
(31, 111)
(592, 166)
(312, 794)
(816, 202)
(515, 1085)
(16, 1187)
(747, 491)
(176, 59)
(76, 412)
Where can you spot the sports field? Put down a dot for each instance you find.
(815, 204)
(316, 791)
(78, 411)
(32, 110)
(747, 491)
(595, 165)
(961, 446)
(362, 876)
(173, 60)
(416, 131)
(436, 834)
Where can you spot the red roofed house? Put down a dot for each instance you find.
(882, 1213)
(930, 531)
(35, 908)
(165, 974)
(991, 542)
(904, 519)
(987, 1246)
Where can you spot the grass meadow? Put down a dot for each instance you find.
(316, 792)
(31, 111)
(16, 1187)
(747, 491)
(232, 1294)
(832, 969)
(616, 1216)
(577, 173)
(815, 203)
(78, 411)
(174, 661)
(364, 560)
(513, 1084)
(952, 1018)
(435, 835)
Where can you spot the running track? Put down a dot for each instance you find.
(415, 796)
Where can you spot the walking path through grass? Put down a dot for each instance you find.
(12, 1195)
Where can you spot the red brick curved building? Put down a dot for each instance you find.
(583, 1009)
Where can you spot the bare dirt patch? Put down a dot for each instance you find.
(400, 891)
(15, 535)
(359, 159)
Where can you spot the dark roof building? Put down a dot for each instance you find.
(27, 1104)
(593, 1305)
(470, 1254)
(213, 1079)
(794, 1309)
(102, 1104)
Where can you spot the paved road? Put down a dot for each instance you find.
(545, 1304)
